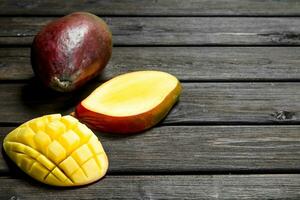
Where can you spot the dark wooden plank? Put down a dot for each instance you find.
(153, 7)
(187, 63)
(239, 102)
(173, 30)
(279, 186)
(195, 149)
(15, 64)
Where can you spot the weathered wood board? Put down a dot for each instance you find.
(199, 149)
(279, 186)
(200, 103)
(170, 31)
(153, 7)
(186, 63)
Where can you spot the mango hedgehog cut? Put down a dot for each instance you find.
(57, 151)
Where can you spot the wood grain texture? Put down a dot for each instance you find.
(153, 7)
(186, 63)
(172, 30)
(263, 187)
(194, 149)
(221, 125)
(222, 103)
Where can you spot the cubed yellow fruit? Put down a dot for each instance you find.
(57, 150)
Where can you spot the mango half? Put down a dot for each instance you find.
(130, 103)
(57, 150)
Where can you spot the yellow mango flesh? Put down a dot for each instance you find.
(130, 103)
(132, 93)
(57, 150)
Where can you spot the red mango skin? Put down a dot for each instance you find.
(128, 124)
(71, 50)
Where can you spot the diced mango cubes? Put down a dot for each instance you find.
(57, 150)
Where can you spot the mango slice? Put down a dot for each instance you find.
(130, 102)
(57, 150)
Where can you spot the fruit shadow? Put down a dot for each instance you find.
(40, 100)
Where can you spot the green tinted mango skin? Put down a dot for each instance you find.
(71, 50)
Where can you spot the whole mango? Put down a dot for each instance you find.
(71, 50)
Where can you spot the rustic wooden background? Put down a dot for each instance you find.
(235, 134)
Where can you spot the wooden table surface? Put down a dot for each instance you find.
(235, 133)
